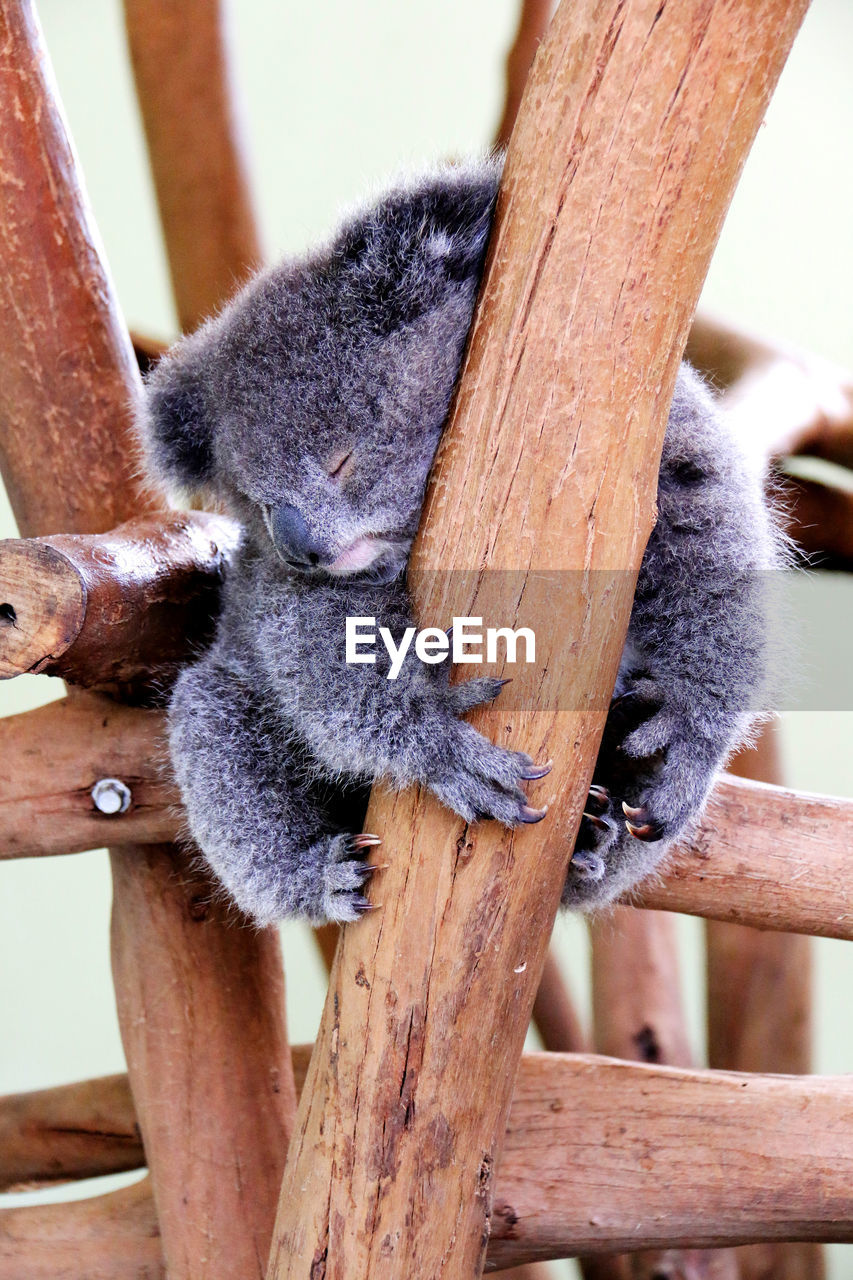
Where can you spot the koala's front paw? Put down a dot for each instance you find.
(479, 780)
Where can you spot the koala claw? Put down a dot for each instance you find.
(364, 841)
(601, 823)
(528, 815)
(362, 906)
(533, 772)
(649, 831)
(598, 800)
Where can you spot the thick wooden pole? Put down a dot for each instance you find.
(180, 59)
(68, 381)
(635, 123)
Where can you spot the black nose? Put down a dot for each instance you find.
(293, 539)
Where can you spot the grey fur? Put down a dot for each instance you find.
(355, 351)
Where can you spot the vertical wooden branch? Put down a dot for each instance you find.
(638, 1014)
(180, 62)
(759, 1016)
(67, 384)
(533, 20)
(635, 123)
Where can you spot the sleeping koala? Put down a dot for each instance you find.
(312, 407)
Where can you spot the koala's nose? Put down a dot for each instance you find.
(292, 537)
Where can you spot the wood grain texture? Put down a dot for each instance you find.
(599, 1155)
(108, 1237)
(118, 611)
(79, 1130)
(53, 756)
(68, 384)
(751, 854)
(180, 59)
(636, 116)
(639, 1015)
(67, 372)
(760, 1015)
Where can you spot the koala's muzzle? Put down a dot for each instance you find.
(292, 538)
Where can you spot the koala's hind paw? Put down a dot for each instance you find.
(344, 876)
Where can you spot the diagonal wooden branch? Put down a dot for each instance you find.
(636, 116)
(189, 984)
(180, 59)
(578, 1172)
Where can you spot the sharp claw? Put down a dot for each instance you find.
(601, 796)
(528, 815)
(369, 869)
(534, 771)
(506, 680)
(650, 831)
(587, 865)
(601, 823)
(362, 906)
(635, 814)
(365, 841)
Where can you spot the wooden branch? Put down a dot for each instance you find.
(636, 116)
(121, 610)
(57, 316)
(755, 848)
(638, 1015)
(759, 1015)
(819, 517)
(533, 19)
(784, 400)
(75, 1131)
(580, 1173)
(179, 54)
(55, 756)
(554, 1014)
(189, 986)
(109, 1237)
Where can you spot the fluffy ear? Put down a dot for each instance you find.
(403, 256)
(174, 425)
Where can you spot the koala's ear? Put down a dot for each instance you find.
(174, 425)
(403, 257)
(457, 217)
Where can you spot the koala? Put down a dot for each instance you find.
(312, 407)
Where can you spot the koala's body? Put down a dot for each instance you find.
(313, 406)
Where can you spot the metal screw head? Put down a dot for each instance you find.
(111, 796)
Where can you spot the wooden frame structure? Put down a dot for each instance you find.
(636, 114)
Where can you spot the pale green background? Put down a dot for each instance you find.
(337, 96)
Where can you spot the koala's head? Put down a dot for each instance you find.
(313, 405)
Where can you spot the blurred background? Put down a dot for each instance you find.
(336, 98)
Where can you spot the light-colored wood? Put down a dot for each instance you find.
(759, 1015)
(785, 401)
(118, 611)
(636, 116)
(77, 1130)
(180, 59)
(752, 852)
(533, 19)
(53, 756)
(638, 1015)
(108, 1237)
(638, 1011)
(217, 1151)
(68, 383)
(600, 1155)
(66, 458)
